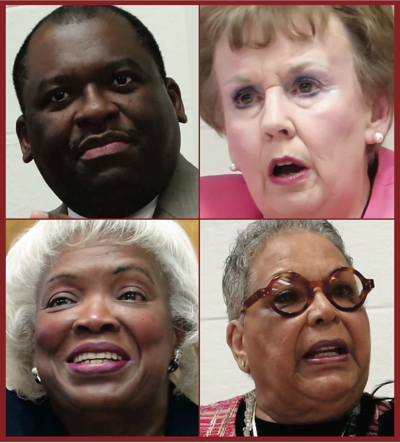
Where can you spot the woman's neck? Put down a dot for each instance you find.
(148, 419)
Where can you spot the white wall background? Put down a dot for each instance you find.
(175, 28)
(369, 242)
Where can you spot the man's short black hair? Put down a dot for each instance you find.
(66, 15)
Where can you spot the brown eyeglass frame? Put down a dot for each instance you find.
(368, 285)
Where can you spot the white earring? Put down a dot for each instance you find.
(233, 167)
(378, 137)
(35, 374)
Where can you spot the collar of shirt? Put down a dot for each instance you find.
(146, 212)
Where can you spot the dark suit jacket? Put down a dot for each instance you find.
(180, 199)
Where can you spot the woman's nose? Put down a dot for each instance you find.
(96, 316)
(321, 311)
(277, 119)
(95, 107)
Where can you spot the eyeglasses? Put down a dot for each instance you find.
(290, 294)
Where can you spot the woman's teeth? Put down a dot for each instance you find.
(327, 351)
(96, 357)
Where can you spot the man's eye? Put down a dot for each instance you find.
(132, 296)
(59, 96)
(122, 80)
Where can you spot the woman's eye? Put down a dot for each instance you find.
(122, 80)
(59, 96)
(306, 87)
(132, 296)
(245, 98)
(286, 298)
(60, 301)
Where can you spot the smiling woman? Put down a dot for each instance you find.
(101, 324)
(304, 95)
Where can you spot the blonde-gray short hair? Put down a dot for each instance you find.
(370, 30)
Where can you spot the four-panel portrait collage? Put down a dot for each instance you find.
(200, 221)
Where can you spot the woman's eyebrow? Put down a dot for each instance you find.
(305, 65)
(237, 79)
(134, 268)
(62, 277)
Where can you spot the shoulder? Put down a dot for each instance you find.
(62, 209)
(184, 418)
(25, 418)
(377, 415)
(20, 416)
(226, 196)
(381, 204)
(218, 419)
(180, 198)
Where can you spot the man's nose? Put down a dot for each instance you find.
(96, 315)
(95, 106)
(277, 118)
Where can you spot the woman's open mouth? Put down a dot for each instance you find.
(326, 352)
(91, 359)
(287, 171)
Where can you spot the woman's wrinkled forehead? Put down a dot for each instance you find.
(79, 240)
(258, 26)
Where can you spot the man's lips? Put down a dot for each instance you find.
(104, 144)
(327, 351)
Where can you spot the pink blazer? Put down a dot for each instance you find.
(227, 196)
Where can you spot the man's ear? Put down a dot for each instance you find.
(175, 95)
(234, 338)
(381, 113)
(23, 137)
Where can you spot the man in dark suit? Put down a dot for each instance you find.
(101, 119)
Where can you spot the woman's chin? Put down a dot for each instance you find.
(332, 389)
(96, 398)
(292, 206)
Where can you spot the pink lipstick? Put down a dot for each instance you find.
(287, 171)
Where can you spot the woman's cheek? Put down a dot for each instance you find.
(152, 329)
(49, 332)
(243, 143)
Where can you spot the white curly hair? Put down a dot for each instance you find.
(39, 246)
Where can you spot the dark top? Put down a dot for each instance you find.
(332, 428)
(25, 418)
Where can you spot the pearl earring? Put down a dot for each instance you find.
(378, 137)
(233, 167)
